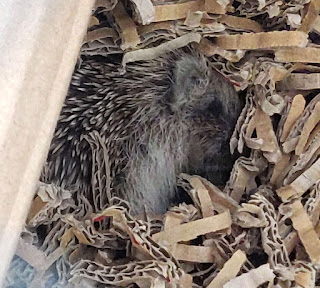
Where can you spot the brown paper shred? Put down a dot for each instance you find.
(295, 133)
(304, 279)
(241, 23)
(316, 24)
(242, 178)
(220, 201)
(229, 271)
(174, 11)
(151, 53)
(295, 112)
(191, 230)
(313, 204)
(181, 10)
(301, 184)
(307, 234)
(66, 237)
(145, 11)
(311, 16)
(190, 253)
(314, 134)
(36, 206)
(263, 40)
(209, 49)
(93, 21)
(266, 139)
(186, 281)
(204, 199)
(298, 54)
(300, 81)
(253, 278)
(193, 19)
(172, 219)
(279, 170)
(129, 34)
(310, 124)
(206, 205)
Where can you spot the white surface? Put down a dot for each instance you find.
(39, 44)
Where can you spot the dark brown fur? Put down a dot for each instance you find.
(162, 117)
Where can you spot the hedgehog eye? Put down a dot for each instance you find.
(198, 82)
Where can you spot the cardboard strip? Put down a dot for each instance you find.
(129, 34)
(296, 109)
(203, 196)
(308, 127)
(197, 254)
(151, 53)
(252, 41)
(230, 270)
(192, 230)
(253, 279)
(308, 236)
(266, 139)
(316, 24)
(186, 281)
(172, 219)
(207, 48)
(300, 184)
(311, 16)
(300, 81)
(277, 174)
(298, 54)
(181, 10)
(241, 23)
(218, 198)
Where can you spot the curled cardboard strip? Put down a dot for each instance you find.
(263, 226)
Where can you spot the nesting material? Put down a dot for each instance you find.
(263, 227)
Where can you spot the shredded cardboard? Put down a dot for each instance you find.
(191, 253)
(307, 234)
(127, 27)
(262, 227)
(229, 271)
(151, 53)
(252, 279)
(191, 230)
(301, 81)
(311, 16)
(209, 49)
(298, 54)
(241, 23)
(301, 184)
(251, 41)
(296, 109)
(181, 10)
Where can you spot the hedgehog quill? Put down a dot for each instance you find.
(162, 117)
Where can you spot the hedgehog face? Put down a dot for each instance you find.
(211, 106)
(198, 89)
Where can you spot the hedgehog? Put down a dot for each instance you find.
(161, 117)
